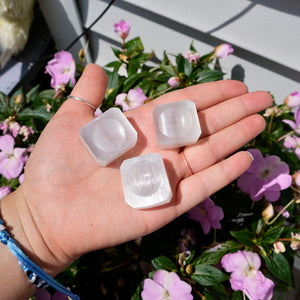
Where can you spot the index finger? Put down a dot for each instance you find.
(207, 94)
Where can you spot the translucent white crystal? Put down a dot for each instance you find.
(176, 124)
(108, 136)
(145, 181)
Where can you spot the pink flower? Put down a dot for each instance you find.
(11, 125)
(62, 69)
(4, 190)
(245, 275)
(133, 99)
(174, 82)
(295, 241)
(208, 214)
(223, 50)
(265, 177)
(45, 295)
(294, 125)
(192, 56)
(293, 142)
(279, 247)
(12, 159)
(166, 285)
(122, 29)
(26, 132)
(292, 100)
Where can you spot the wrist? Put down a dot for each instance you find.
(22, 228)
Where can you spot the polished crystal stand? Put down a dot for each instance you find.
(108, 136)
(176, 124)
(145, 181)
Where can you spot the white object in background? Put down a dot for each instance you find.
(176, 124)
(108, 136)
(145, 181)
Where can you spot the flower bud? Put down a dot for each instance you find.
(295, 241)
(292, 100)
(188, 269)
(174, 82)
(122, 29)
(18, 99)
(81, 55)
(223, 50)
(279, 247)
(268, 212)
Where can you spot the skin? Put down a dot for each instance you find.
(67, 205)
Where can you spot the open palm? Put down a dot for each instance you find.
(77, 206)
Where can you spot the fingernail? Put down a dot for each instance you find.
(252, 158)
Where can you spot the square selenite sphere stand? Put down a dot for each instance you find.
(145, 181)
(176, 124)
(108, 136)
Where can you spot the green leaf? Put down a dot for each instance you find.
(237, 295)
(188, 68)
(130, 81)
(39, 113)
(209, 75)
(180, 61)
(163, 263)
(279, 267)
(32, 94)
(168, 69)
(212, 257)
(115, 65)
(135, 45)
(117, 52)
(244, 236)
(113, 80)
(137, 293)
(272, 235)
(208, 275)
(3, 103)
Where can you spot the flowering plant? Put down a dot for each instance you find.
(238, 244)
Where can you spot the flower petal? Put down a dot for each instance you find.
(7, 143)
(152, 290)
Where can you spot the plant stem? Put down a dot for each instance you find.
(280, 213)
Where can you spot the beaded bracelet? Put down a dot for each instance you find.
(36, 275)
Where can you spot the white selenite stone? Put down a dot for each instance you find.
(108, 136)
(176, 124)
(145, 181)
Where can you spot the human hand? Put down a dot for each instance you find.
(67, 205)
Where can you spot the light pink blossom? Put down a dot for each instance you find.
(279, 247)
(122, 29)
(133, 99)
(294, 125)
(245, 275)
(4, 191)
(166, 286)
(12, 159)
(292, 100)
(208, 214)
(174, 82)
(265, 177)
(62, 69)
(223, 50)
(192, 56)
(295, 241)
(292, 142)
